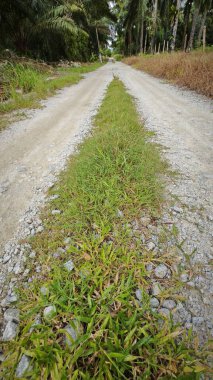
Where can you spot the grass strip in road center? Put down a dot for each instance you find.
(94, 265)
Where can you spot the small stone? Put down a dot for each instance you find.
(11, 315)
(184, 277)
(49, 312)
(23, 366)
(169, 304)
(69, 265)
(36, 322)
(10, 332)
(26, 272)
(6, 258)
(44, 290)
(39, 229)
(191, 283)
(67, 241)
(120, 214)
(154, 302)
(165, 312)
(73, 332)
(149, 267)
(56, 212)
(150, 246)
(197, 321)
(156, 289)
(2, 358)
(178, 210)
(138, 294)
(32, 255)
(161, 271)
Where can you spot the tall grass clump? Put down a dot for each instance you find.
(193, 70)
(112, 180)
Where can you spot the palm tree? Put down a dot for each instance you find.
(197, 5)
(206, 6)
(175, 26)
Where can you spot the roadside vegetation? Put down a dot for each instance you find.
(24, 84)
(193, 70)
(94, 267)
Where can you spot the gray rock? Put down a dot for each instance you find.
(49, 312)
(32, 255)
(67, 241)
(177, 210)
(169, 304)
(10, 332)
(156, 289)
(23, 366)
(56, 212)
(181, 314)
(184, 277)
(120, 214)
(197, 321)
(11, 315)
(73, 331)
(150, 246)
(36, 322)
(69, 265)
(6, 258)
(165, 312)
(39, 229)
(161, 271)
(44, 291)
(154, 302)
(191, 283)
(149, 267)
(138, 294)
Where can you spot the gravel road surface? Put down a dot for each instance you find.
(33, 151)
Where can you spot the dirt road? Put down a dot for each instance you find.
(34, 150)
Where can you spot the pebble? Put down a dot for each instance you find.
(161, 271)
(39, 229)
(138, 294)
(6, 258)
(120, 214)
(56, 212)
(150, 246)
(169, 304)
(23, 366)
(69, 265)
(44, 290)
(184, 277)
(154, 302)
(73, 332)
(67, 241)
(32, 255)
(11, 315)
(156, 289)
(178, 210)
(165, 312)
(49, 312)
(10, 332)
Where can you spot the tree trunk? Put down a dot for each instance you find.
(174, 32)
(194, 23)
(186, 24)
(154, 23)
(141, 34)
(203, 20)
(98, 42)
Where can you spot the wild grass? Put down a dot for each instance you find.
(110, 182)
(22, 86)
(192, 70)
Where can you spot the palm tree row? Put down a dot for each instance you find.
(54, 29)
(150, 25)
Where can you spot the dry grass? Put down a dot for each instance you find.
(193, 70)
